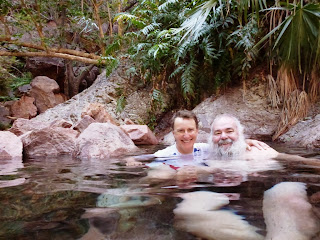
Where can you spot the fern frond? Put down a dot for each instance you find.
(123, 16)
(158, 49)
(165, 5)
(149, 28)
(177, 71)
(188, 78)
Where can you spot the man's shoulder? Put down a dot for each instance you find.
(166, 152)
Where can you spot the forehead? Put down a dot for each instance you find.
(184, 123)
(224, 123)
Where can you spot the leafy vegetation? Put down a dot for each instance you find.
(189, 48)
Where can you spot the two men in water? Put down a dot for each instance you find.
(185, 131)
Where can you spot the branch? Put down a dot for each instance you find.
(53, 54)
(56, 50)
(131, 4)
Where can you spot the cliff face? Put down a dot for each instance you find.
(105, 91)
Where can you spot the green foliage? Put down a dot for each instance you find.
(20, 81)
(110, 63)
(121, 103)
(297, 35)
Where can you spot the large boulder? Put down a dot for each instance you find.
(49, 141)
(46, 92)
(24, 108)
(22, 126)
(10, 146)
(140, 134)
(101, 141)
(53, 68)
(305, 133)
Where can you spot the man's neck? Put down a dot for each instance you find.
(185, 151)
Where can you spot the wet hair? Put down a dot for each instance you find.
(236, 120)
(185, 114)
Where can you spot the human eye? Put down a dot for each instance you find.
(180, 131)
(190, 130)
(217, 133)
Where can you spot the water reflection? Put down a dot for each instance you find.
(64, 198)
(8, 170)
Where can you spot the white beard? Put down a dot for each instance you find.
(235, 151)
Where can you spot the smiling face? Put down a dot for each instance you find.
(224, 132)
(185, 133)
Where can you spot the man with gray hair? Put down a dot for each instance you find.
(227, 140)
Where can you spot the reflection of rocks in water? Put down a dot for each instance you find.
(32, 215)
(200, 214)
(288, 214)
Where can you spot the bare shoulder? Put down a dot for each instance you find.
(261, 153)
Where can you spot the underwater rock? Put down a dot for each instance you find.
(288, 214)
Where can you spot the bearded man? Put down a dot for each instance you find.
(227, 141)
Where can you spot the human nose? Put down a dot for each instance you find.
(224, 135)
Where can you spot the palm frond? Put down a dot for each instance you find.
(192, 25)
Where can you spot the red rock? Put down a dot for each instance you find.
(46, 93)
(98, 112)
(128, 121)
(24, 108)
(84, 122)
(140, 134)
(49, 141)
(10, 146)
(101, 141)
(22, 125)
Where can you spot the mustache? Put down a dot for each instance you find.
(224, 141)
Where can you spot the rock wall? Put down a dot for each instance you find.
(251, 107)
(104, 91)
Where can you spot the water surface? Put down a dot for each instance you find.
(65, 198)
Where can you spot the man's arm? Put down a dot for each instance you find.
(255, 143)
(137, 160)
